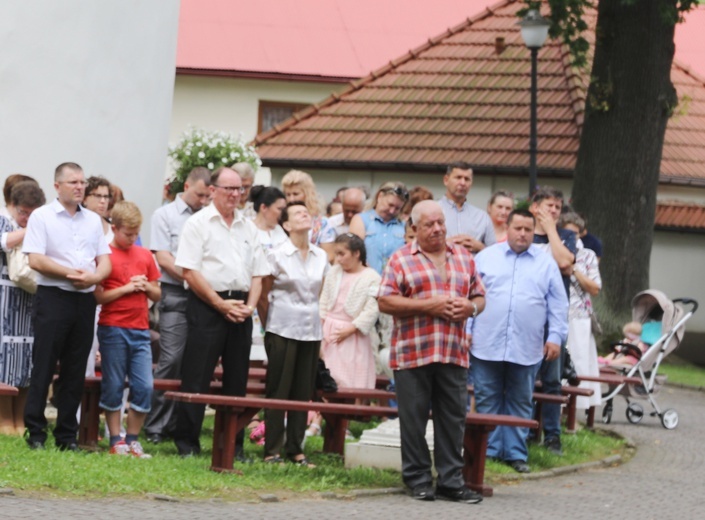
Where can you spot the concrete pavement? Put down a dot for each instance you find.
(664, 480)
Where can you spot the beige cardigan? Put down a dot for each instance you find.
(361, 303)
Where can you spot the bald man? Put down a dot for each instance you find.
(353, 200)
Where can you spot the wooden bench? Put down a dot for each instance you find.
(8, 390)
(234, 413)
(573, 392)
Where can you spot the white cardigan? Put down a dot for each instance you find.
(361, 303)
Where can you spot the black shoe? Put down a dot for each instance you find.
(463, 495)
(70, 446)
(553, 445)
(519, 466)
(35, 445)
(423, 492)
(155, 438)
(242, 458)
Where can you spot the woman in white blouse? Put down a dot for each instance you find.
(289, 308)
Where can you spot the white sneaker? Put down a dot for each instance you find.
(136, 450)
(120, 449)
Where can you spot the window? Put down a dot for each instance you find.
(274, 112)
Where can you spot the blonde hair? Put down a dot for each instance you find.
(386, 187)
(633, 327)
(126, 214)
(304, 181)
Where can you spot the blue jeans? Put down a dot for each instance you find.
(125, 353)
(550, 377)
(505, 388)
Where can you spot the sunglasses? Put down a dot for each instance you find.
(400, 192)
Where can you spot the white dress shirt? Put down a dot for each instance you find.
(227, 256)
(73, 241)
(293, 300)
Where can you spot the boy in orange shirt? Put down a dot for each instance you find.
(123, 329)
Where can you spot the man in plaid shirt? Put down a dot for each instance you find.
(431, 288)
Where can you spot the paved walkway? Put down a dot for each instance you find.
(664, 480)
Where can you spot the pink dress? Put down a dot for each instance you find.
(351, 362)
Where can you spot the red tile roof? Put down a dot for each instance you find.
(679, 216)
(334, 39)
(307, 39)
(455, 97)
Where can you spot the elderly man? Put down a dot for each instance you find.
(223, 263)
(546, 206)
(467, 225)
(431, 288)
(66, 246)
(247, 177)
(524, 291)
(353, 201)
(167, 222)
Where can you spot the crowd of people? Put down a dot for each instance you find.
(397, 281)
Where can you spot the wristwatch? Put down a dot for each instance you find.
(474, 306)
(252, 309)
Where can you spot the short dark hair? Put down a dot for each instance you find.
(94, 182)
(285, 214)
(546, 192)
(27, 194)
(11, 181)
(520, 213)
(458, 165)
(63, 166)
(353, 243)
(199, 173)
(265, 195)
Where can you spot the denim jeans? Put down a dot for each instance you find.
(125, 353)
(505, 388)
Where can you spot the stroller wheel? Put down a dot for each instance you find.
(669, 419)
(607, 415)
(635, 413)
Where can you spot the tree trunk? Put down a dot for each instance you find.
(630, 99)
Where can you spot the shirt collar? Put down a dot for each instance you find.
(58, 207)
(454, 205)
(211, 212)
(181, 205)
(532, 251)
(289, 248)
(415, 249)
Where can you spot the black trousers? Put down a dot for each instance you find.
(64, 323)
(210, 336)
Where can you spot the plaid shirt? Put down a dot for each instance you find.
(423, 339)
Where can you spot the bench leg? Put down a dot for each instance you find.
(228, 423)
(591, 417)
(571, 420)
(334, 434)
(474, 454)
(90, 417)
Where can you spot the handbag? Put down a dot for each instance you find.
(325, 381)
(19, 271)
(569, 372)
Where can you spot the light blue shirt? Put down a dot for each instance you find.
(468, 220)
(523, 293)
(382, 238)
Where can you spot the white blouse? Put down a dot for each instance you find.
(293, 300)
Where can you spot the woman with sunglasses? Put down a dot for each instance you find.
(380, 227)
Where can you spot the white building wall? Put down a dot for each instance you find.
(89, 82)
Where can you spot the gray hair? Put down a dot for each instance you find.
(244, 170)
(422, 207)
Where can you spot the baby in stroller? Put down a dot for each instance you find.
(625, 352)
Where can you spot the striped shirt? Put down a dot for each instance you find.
(423, 339)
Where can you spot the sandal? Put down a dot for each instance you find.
(274, 459)
(303, 461)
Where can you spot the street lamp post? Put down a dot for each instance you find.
(534, 30)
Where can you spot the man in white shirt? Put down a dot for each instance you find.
(66, 246)
(353, 201)
(167, 222)
(467, 225)
(223, 264)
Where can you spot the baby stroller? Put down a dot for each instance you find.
(648, 305)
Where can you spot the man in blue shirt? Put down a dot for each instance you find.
(524, 293)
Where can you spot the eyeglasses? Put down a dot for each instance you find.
(101, 197)
(400, 192)
(232, 189)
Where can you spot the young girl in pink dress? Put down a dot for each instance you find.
(349, 311)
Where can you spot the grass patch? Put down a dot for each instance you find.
(684, 373)
(97, 474)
